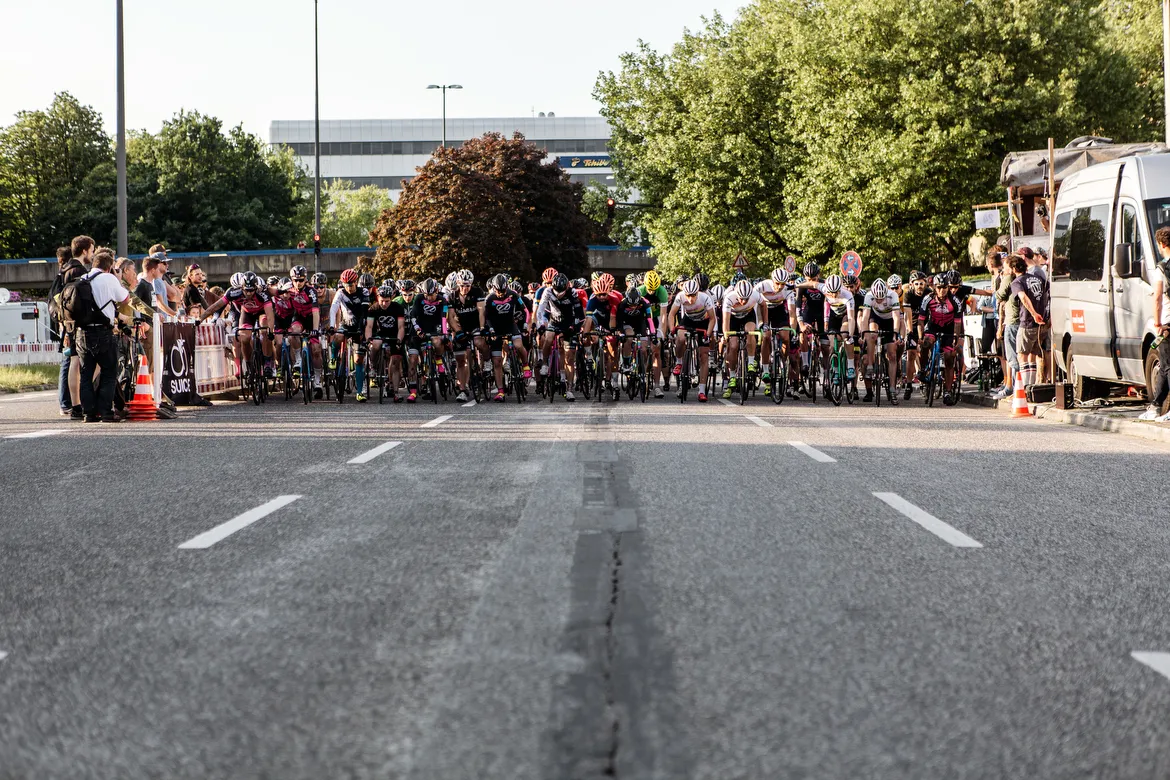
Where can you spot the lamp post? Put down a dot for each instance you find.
(316, 148)
(120, 77)
(1166, 62)
(446, 87)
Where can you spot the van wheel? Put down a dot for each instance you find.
(1083, 389)
(1153, 362)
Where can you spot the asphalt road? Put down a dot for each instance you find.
(581, 591)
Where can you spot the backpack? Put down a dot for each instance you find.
(78, 307)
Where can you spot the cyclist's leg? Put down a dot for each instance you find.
(497, 352)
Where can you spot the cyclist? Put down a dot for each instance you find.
(467, 306)
(407, 293)
(810, 317)
(634, 318)
(249, 303)
(523, 318)
(598, 315)
(779, 314)
(306, 320)
(881, 317)
(656, 293)
(912, 298)
(386, 330)
(939, 319)
(560, 312)
(430, 316)
(282, 310)
(501, 305)
(740, 306)
(692, 311)
(347, 316)
(840, 317)
(631, 281)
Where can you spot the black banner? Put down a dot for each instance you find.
(178, 361)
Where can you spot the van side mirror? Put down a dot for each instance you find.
(1123, 265)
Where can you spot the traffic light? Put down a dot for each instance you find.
(317, 243)
(609, 207)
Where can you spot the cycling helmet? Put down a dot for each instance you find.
(298, 272)
(717, 293)
(319, 279)
(916, 276)
(703, 280)
(366, 280)
(851, 280)
(603, 284)
(690, 287)
(237, 279)
(653, 281)
(450, 281)
(680, 279)
(780, 276)
(737, 277)
(349, 276)
(407, 286)
(940, 280)
(954, 277)
(516, 286)
(251, 281)
(548, 275)
(465, 277)
(743, 288)
(812, 270)
(284, 284)
(560, 283)
(834, 284)
(580, 283)
(498, 283)
(894, 281)
(879, 290)
(272, 281)
(430, 287)
(593, 277)
(386, 291)
(633, 296)
(631, 281)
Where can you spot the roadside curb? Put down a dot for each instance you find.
(28, 389)
(1097, 422)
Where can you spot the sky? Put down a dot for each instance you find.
(251, 61)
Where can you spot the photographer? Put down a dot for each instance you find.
(1162, 329)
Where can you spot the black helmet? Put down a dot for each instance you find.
(386, 291)
(633, 296)
(430, 287)
(812, 270)
(954, 277)
(580, 283)
(366, 280)
(498, 283)
(298, 272)
(273, 280)
(407, 285)
(916, 275)
(703, 280)
(851, 280)
(516, 286)
(940, 280)
(251, 281)
(560, 283)
(738, 276)
(319, 279)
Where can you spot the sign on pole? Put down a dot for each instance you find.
(987, 219)
(740, 262)
(790, 264)
(851, 264)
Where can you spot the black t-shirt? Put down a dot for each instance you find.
(144, 291)
(500, 311)
(386, 318)
(428, 316)
(812, 305)
(192, 296)
(467, 309)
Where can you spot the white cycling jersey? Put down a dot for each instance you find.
(776, 297)
(741, 307)
(697, 309)
(841, 304)
(883, 308)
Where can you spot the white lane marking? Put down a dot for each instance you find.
(1159, 662)
(725, 402)
(469, 404)
(208, 538)
(759, 421)
(36, 434)
(366, 457)
(928, 521)
(3, 655)
(813, 453)
(437, 421)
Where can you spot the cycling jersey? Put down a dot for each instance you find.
(778, 299)
(939, 313)
(247, 310)
(350, 310)
(561, 315)
(739, 307)
(386, 318)
(636, 316)
(304, 303)
(883, 308)
(427, 316)
(694, 313)
(283, 311)
(600, 307)
(467, 309)
(500, 312)
(658, 299)
(811, 305)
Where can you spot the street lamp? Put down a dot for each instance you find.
(316, 148)
(120, 88)
(445, 87)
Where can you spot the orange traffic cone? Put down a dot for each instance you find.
(143, 408)
(1020, 399)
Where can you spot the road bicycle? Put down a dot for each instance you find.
(254, 382)
(881, 370)
(637, 375)
(936, 375)
(688, 377)
(742, 382)
(514, 373)
(434, 382)
(780, 363)
(837, 381)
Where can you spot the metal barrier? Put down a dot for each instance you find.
(28, 354)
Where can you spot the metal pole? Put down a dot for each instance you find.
(1166, 62)
(121, 132)
(445, 112)
(316, 143)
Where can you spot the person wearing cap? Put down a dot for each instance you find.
(153, 269)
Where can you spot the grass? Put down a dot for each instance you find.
(16, 377)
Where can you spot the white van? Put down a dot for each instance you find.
(1103, 270)
(26, 318)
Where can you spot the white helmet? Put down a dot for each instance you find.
(879, 290)
(781, 276)
(743, 288)
(833, 284)
(690, 287)
(238, 279)
(717, 292)
(465, 276)
(894, 281)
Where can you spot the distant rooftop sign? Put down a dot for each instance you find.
(583, 161)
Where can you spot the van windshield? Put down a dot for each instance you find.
(1158, 210)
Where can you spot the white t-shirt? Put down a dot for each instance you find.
(108, 292)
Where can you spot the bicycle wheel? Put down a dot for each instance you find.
(306, 371)
(599, 373)
(931, 377)
(286, 371)
(879, 375)
(684, 379)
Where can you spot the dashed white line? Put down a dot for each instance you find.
(437, 421)
(469, 404)
(812, 452)
(1159, 662)
(36, 434)
(366, 457)
(952, 536)
(759, 421)
(3, 655)
(725, 402)
(208, 538)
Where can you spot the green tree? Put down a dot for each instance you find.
(46, 190)
(347, 214)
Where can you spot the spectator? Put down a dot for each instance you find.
(988, 305)
(66, 265)
(1035, 335)
(97, 343)
(1008, 328)
(153, 269)
(1161, 327)
(124, 269)
(193, 295)
(212, 298)
(174, 295)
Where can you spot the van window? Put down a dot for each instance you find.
(1158, 211)
(1078, 243)
(1131, 233)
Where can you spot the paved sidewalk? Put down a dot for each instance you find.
(1119, 418)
